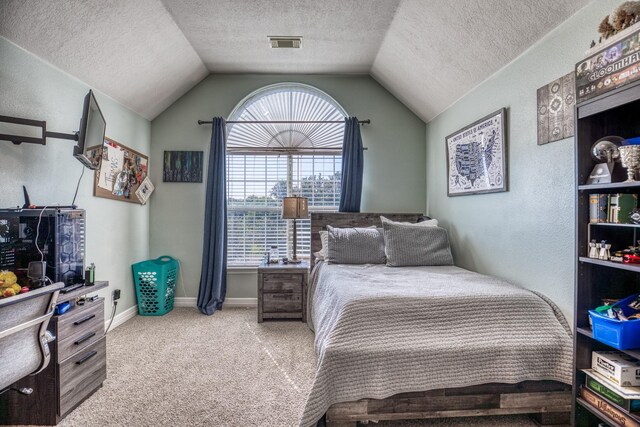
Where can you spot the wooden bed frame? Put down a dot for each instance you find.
(548, 402)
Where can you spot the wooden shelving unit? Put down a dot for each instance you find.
(615, 113)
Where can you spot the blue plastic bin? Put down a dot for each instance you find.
(623, 335)
(155, 281)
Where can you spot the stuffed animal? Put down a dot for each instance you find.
(624, 15)
(605, 29)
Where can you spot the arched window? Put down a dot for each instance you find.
(268, 161)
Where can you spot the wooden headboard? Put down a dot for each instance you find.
(319, 221)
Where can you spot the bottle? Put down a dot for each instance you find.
(273, 254)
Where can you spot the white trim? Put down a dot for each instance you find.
(241, 302)
(249, 269)
(184, 302)
(128, 314)
(229, 302)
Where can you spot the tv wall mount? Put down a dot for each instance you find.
(42, 140)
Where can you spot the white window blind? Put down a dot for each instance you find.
(256, 185)
(275, 158)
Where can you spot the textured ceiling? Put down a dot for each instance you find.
(339, 36)
(131, 50)
(147, 53)
(435, 52)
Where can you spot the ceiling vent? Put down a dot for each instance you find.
(285, 42)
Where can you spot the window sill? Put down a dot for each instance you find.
(243, 270)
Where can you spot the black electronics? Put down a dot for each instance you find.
(37, 272)
(28, 205)
(70, 288)
(92, 130)
(53, 235)
(27, 201)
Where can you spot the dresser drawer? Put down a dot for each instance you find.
(84, 334)
(80, 318)
(282, 282)
(282, 302)
(81, 374)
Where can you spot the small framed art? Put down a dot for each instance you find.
(182, 166)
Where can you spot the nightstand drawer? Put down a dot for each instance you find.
(282, 283)
(282, 302)
(81, 374)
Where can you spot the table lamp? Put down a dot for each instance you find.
(295, 208)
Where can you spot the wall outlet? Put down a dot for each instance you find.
(116, 294)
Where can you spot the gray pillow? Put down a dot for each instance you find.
(424, 223)
(411, 245)
(355, 246)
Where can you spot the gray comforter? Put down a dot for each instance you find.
(383, 330)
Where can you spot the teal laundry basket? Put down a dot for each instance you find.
(155, 281)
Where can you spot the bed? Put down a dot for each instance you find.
(429, 342)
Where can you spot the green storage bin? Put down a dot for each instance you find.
(155, 281)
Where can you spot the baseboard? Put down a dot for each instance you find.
(229, 302)
(132, 312)
(241, 302)
(184, 302)
(128, 314)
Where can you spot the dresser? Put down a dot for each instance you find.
(77, 368)
(282, 291)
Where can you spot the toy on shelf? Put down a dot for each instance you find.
(621, 18)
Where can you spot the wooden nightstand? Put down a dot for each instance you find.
(282, 291)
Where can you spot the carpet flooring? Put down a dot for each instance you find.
(225, 370)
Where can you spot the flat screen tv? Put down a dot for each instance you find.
(92, 130)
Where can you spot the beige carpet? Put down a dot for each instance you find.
(186, 369)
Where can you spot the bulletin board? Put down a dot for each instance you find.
(120, 171)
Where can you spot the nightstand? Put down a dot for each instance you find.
(282, 291)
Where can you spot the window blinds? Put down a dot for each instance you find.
(256, 185)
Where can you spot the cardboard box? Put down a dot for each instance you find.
(609, 393)
(621, 418)
(616, 366)
(614, 66)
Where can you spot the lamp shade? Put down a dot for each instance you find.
(295, 208)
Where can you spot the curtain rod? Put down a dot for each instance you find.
(254, 122)
(284, 149)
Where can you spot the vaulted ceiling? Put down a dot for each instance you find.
(148, 53)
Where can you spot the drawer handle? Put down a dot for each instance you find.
(84, 319)
(86, 357)
(84, 338)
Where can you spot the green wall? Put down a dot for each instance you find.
(525, 235)
(117, 232)
(394, 176)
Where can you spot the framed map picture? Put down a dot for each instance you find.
(477, 157)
